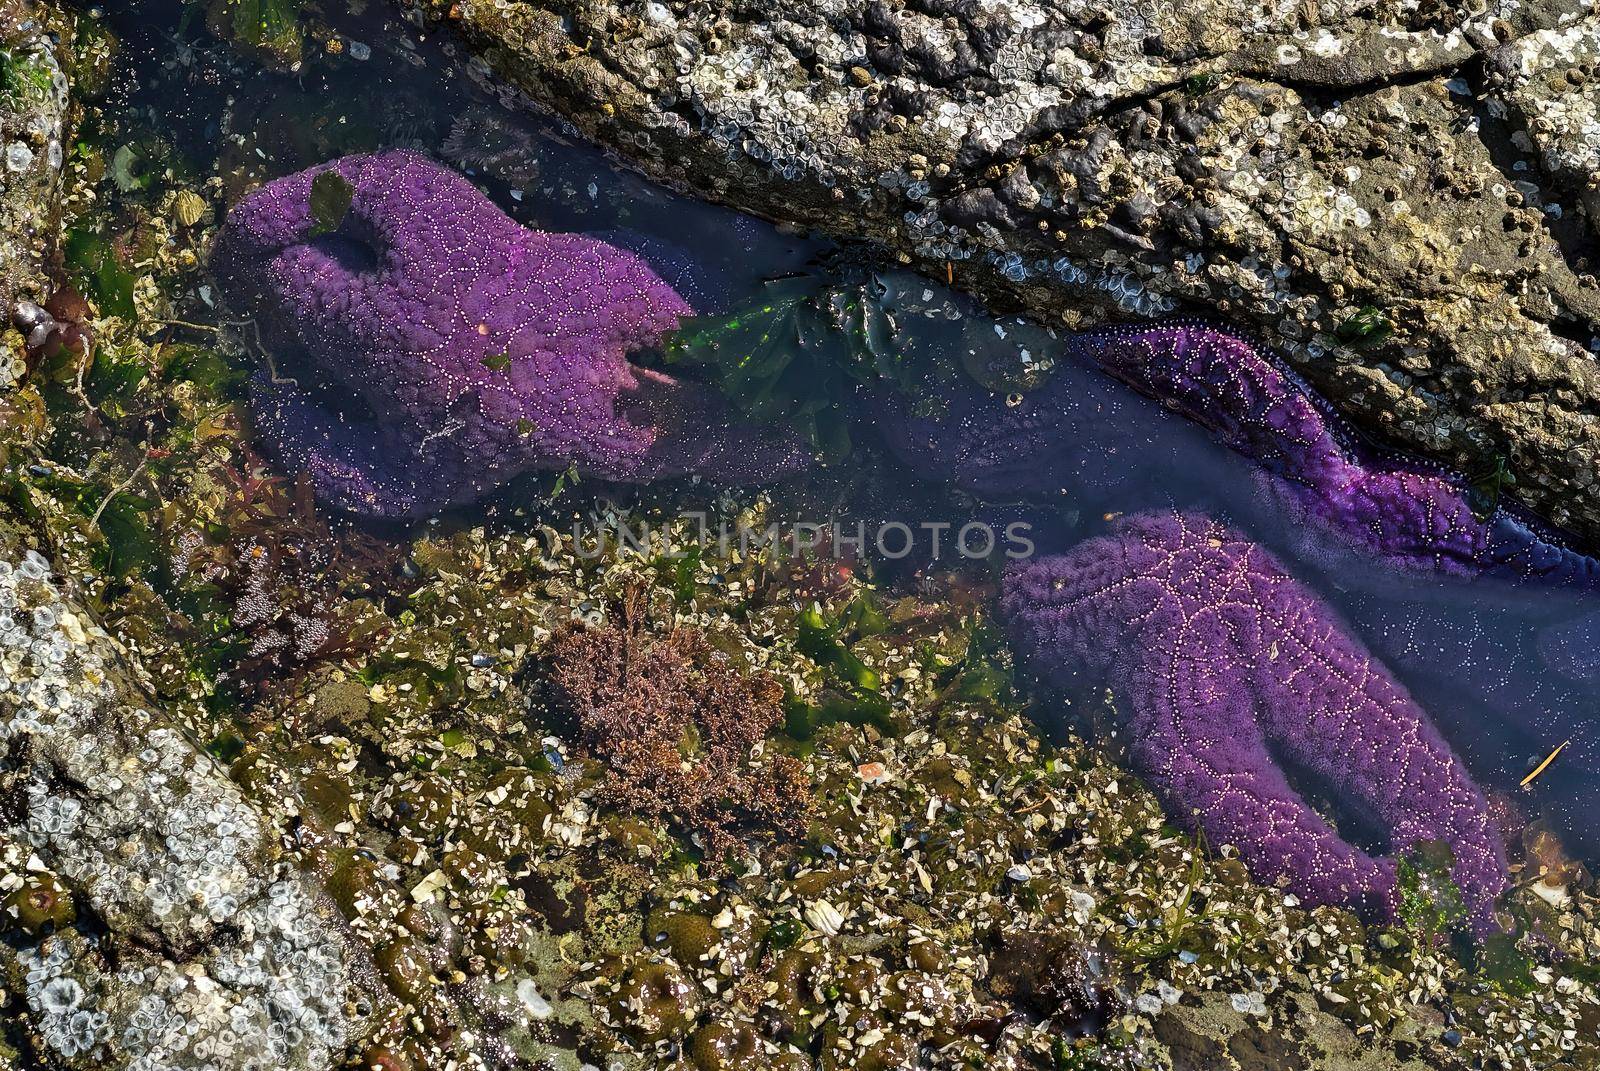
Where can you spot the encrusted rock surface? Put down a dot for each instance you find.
(211, 951)
(1395, 196)
(1213, 1035)
(33, 128)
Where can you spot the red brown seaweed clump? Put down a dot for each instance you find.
(678, 724)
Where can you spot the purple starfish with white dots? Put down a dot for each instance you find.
(1404, 515)
(479, 349)
(1222, 659)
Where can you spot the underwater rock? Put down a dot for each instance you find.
(1410, 516)
(1223, 660)
(479, 349)
(194, 945)
(1340, 181)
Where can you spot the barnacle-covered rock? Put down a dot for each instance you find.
(152, 924)
(1334, 178)
(1545, 86)
(33, 129)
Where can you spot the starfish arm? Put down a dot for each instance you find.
(1223, 663)
(358, 466)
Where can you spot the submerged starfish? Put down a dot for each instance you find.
(1405, 515)
(480, 350)
(477, 348)
(1223, 661)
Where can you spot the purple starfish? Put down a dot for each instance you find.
(1404, 515)
(1222, 658)
(479, 349)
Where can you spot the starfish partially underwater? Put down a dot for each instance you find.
(456, 349)
(481, 350)
(1223, 661)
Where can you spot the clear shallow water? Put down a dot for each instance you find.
(1507, 673)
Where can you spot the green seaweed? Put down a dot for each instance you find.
(93, 267)
(1431, 903)
(777, 360)
(851, 693)
(203, 367)
(1367, 326)
(819, 641)
(1497, 959)
(119, 514)
(113, 380)
(19, 78)
(269, 24)
(331, 198)
(226, 747)
(795, 355)
(983, 673)
(569, 477)
(679, 571)
(261, 22)
(1170, 934)
(864, 616)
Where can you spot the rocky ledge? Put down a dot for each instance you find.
(1400, 198)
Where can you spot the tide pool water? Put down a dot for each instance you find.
(1507, 671)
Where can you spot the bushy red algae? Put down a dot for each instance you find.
(679, 725)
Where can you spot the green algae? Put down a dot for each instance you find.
(24, 76)
(331, 197)
(99, 273)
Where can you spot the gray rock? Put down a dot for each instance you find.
(194, 946)
(1208, 1034)
(1395, 197)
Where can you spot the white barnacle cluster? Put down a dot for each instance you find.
(221, 957)
(33, 113)
(1560, 113)
(1132, 295)
(1122, 285)
(931, 236)
(70, 1019)
(764, 109)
